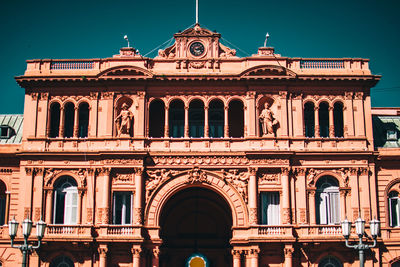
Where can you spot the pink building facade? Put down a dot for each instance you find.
(198, 154)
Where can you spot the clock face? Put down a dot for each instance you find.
(197, 49)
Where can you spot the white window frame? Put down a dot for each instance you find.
(127, 203)
(394, 214)
(328, 203)
(70, 211)
(270, 208)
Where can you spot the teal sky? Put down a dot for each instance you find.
(95, 29)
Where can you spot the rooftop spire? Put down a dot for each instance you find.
(197, 11)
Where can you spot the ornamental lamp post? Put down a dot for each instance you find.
(360, 231)
(26, 232)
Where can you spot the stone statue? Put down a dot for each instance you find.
(267, 120)
(123, 121)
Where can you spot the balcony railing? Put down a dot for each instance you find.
(322, 64)
(68, 231)
(72, 65)
(275, 230)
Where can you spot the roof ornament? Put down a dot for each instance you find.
(197, 12)
(266, 39)
(126, 38)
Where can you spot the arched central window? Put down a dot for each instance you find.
(176, 118)
(216, 118)
(156, 118)
(62, 261)
(196, 118)
(309, 120)
(65, 201)
(330, 262)
(83, 120)
(69, 115)
(54, 120)
(394, 206)
(323, 115)
(327, 201)
(236, 119)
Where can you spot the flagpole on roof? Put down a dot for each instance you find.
(197, 11)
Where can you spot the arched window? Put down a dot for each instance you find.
(338, 119)
(176, 117)
(330, 262)
(83, 120)
(323, 115)
(309, 120)
(3, 203)
(69, 114)
(54, 120)
(395, 264)
(327, 201)
(394, 206)
(65, 201)
(216, 118)
(196, 118)
(236, 118)
(62, 261)
(156, 118)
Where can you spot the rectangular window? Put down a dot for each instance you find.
(122, 206)
(4, 132)
(391, 135)
(329, 207)
(270, 208)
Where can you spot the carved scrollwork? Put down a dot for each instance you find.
(196, 175)
(156, 178)
(237, 179)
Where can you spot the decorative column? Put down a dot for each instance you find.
(186, 128)
(156, 257)
(253, 256)
(288, 251)
(226, 123)
(104, 195)
(76, 122)
(331, 123)
(136, 256)
(48, 126)
(166, 123)
(138, 210)
(301, 196)
(103, 255)
(49, 196)
(343, 208)
(236, 254)
(62, 121)
(252, 189)
(81, 192)
(7, 213)
(206, 126)
(285, 195)
(311, 201)
(316, 122)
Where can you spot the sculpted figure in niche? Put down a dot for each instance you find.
(124, 121)
(267, 120)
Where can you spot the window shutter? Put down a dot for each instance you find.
(71, 206)
(334, 208)
(323, 208)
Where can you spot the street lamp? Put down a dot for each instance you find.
(374, 226)
(26, 232)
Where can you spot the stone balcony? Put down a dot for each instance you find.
(195, 144)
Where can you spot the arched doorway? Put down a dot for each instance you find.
(196, 220)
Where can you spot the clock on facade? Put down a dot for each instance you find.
(196, 49)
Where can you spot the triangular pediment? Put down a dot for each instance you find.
(196, 31)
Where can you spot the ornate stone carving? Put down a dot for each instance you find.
(44, 96)
(197, 64)
(269, 178)
(198, 160)
(303, 218)
(358, 95)
(107, 95)
(89, 214)
(34, 96)
(268, 120)
(237, 179)
(102, 251)
(288, 252)
(138, 215)
(286, 216)
(270, 161)
(123, 177)
(36, 216)
(123, 161)
(253, 215)
(196, 175)
(93, 95)
(156, 178)
(123, 121)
